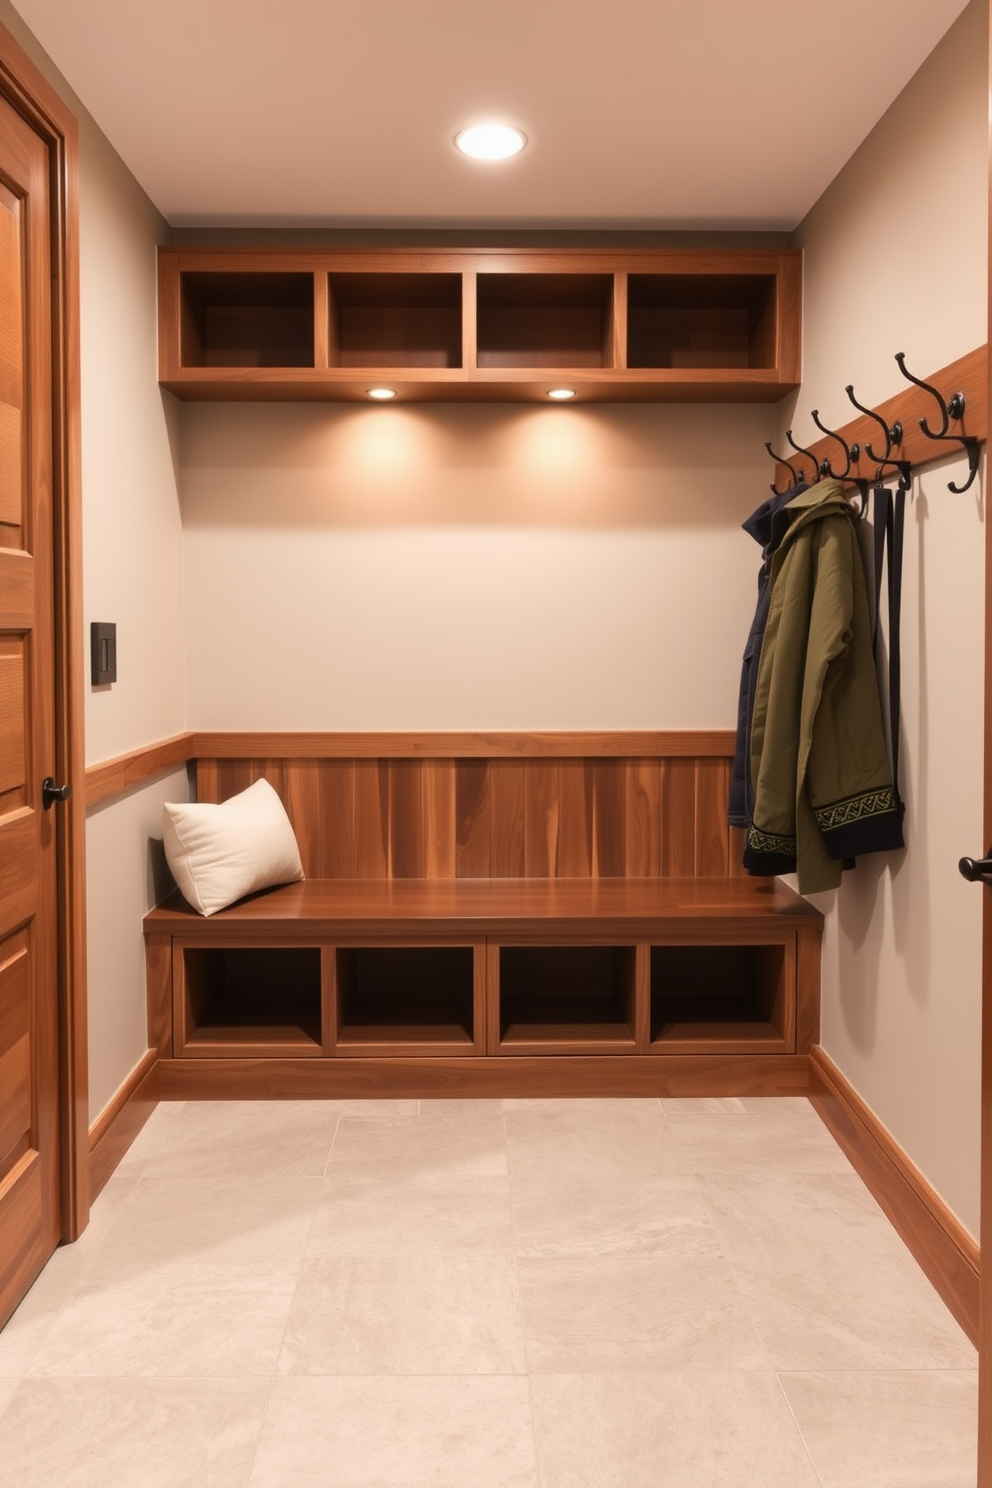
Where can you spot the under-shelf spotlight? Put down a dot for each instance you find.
(490, 141)
(381, 395)
(561, 395)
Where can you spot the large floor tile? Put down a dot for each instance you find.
(421, 1314)
(691, 1108)
(772, 1133)
(625, 1141)
(827, 1280)
(671, 1309)
(237, 1222)
(27, 1329)
(669, 1430)
(362, 1215)
(7, 1388)
(254, 1139)
(172, 1320)
(574, 1213)
(73, 1433)
(449, 1142)
(397, 1433)
(877, 1430)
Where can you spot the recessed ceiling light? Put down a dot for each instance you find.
(381, 394)
(490, 141)
(561, 395)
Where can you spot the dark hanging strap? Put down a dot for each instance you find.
(888, 525)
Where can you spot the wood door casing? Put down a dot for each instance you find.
(30, 1211)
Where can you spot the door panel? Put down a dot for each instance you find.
(29, 1048)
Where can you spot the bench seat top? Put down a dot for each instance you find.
(323, 907)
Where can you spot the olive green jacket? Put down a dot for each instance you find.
(823, 789)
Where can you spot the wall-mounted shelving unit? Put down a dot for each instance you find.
(624, 325)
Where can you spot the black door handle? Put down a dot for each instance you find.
(50, 792)
(977, 871)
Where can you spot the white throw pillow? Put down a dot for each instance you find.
(220, 853)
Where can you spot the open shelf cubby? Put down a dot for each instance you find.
(242, 999)
(395, 320)
(559, 998)
(701, 320)
(235, 319)
(405, 998)
(720, 995)
(545, 320)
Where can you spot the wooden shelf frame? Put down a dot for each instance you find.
(495, 325)
(436, 971)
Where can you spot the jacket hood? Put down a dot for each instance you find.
(827, 498)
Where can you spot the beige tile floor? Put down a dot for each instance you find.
(486, 1294)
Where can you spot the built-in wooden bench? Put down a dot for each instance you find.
(511, 923)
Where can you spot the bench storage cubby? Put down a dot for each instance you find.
(518, 914)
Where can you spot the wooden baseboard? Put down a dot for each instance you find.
(942, 1246)
(121, 1120)
(410, 1079)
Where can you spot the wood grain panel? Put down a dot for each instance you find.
(11, 372)
(336, 785)
(207, 772)
(13, 768)
(678, 818)
(158, 991)
(407, 849)
(300, 795)
(372, 781)
(563, 1076)
(439, 814)
(234, 776)
(541, 814)
(711, 830)
(15, 1047)
(576, 780)
(473, 856)
(506, 817)
(610, 818)
(643, 810)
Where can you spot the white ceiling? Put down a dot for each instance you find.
(641, 113)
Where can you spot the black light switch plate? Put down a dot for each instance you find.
(103, 652)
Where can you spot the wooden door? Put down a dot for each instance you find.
(30, 1220)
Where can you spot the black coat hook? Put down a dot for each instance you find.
(809, 455)
(892, 436)
(796, 476)
(852, 453)
(952, 410)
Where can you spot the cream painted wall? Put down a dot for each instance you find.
(123, 833)
(132, 571)
(468, 568)
(895, 250)
(902, 960)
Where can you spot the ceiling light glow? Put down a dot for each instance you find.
(490, 141)
(382, 395)
(561, 395)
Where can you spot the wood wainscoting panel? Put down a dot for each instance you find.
(540, 817)
(942, 1246)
